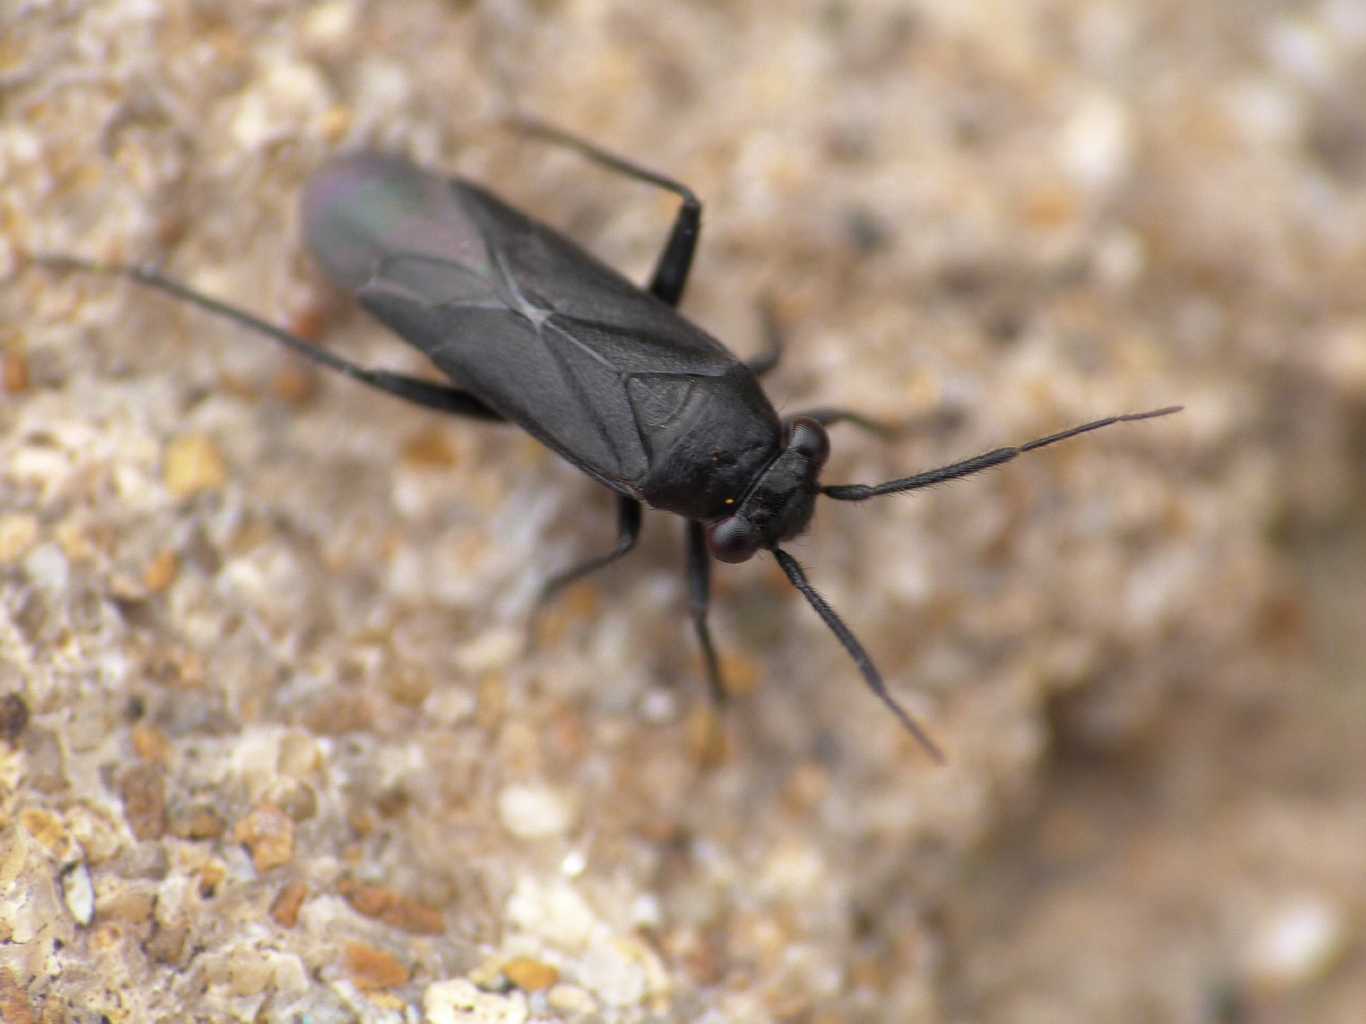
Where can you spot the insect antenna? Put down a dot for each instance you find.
(953, 471)
(851, 644)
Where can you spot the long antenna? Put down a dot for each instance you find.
(862, 492)
(851, 644)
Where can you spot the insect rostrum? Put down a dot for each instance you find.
(532, 330)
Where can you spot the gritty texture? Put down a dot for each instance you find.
(273, 747)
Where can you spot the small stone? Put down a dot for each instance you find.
(285, 909)
(297, 799)
(168, 944)
(372, 968)
(328, 24)
(14, 717)
(394, 909)
(18, 533)
(161, 571)
(197, 822)
(50, 832)
(1097, 142)
(48, 566)
(193, 465)
(150, 743)
(534, 811)
(1299, 944)
(15, 1007)
(459, 1001)
(131, 903)
(293, 383)
(493, 649)
(613, 972)
(299, 755)
(143, 788)
(211, 876)
(268, 833)
(78, 892)
(429, 449)
(555, 911)
(14, 375)
(530, 975)
(571, 1000)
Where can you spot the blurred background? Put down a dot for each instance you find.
(272, 746)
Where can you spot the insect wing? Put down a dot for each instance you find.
(542, 331)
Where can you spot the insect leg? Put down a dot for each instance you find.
(826, 415)
(671, 271)
(699, 598)
(773, 340)
(628, 532)
(411, 389)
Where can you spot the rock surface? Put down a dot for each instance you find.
(271, 747)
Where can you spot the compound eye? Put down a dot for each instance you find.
(809, 440)
(732, 540)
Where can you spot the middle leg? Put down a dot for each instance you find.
(699, 599)
(628, 532)
(670, 275)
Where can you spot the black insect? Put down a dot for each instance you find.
(539, 333)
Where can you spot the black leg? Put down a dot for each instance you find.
(773, 341)
(826, 415)
(670, 276)
(628, 532)
(699, 598)
(411, 389)
(671, 271)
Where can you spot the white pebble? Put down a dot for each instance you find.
(79, 892)
(555, 911)
(534, 812)
(1297, 944)
(460, 1001)
(1098, 142)
(47, 567)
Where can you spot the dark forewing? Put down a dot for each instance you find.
(547, 335)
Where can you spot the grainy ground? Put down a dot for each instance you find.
(270, 745)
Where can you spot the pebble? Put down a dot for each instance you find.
(555, 911)
(284, 910)
(618, 972)
(459, 1001)
(143, 789)
(571, 999)
(18, 533)
(14, 373)
(534, 811)
(193, 465)
(78, 892)
(370, 968)
(15, 1006)
(50, 832)
(198, 821)
(1097, 142)
(48, 567)
(14, 716)
(1296, 945)
(530, 975)
(161, 571)
(268, 833)
(393, 908)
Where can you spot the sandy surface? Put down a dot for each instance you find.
(271, 746)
